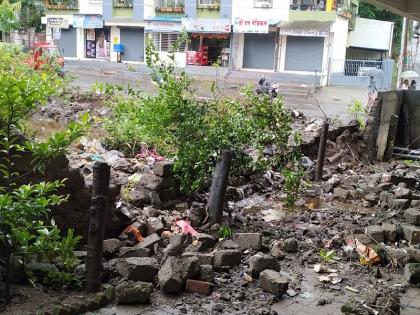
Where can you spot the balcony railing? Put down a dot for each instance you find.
(263, 3)
(123, 3)
(62, 4)
(209, 4)
(176, 6)
(307, 7)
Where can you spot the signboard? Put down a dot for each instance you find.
(248, 25)
(57, 22)
(87, 21)
(206, 25)
(304, 32)
(57, 34)
(163, 26)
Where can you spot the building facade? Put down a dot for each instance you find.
(290, 36)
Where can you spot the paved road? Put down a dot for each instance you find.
(334, 100)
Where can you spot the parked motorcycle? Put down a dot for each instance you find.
(265, 87)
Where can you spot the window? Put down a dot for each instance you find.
(208, 2)
(263, 3)
(165, 41)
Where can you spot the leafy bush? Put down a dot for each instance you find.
(193, 132)
(358, 112)
(26, 233)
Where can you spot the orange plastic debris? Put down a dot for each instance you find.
(131, 229)
(368, 255)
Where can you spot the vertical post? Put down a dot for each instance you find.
(321, 151)
(402, 51)
(392, 134)
(98, 208)
(218, 187)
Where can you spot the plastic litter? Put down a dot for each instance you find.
(368, 255)
(351, 289)
(186, 227)
(133, 233)
(246, 278)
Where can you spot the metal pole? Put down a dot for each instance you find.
(402, 51)
(219, 186)
(99, 205)
(321, 151)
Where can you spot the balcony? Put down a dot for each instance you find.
(62, 4)
(122, 3)
(316, 10)
(209, 4)
(171, 6)
(263, 3)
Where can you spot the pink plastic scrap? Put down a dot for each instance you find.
(145, 153)
(186, 227)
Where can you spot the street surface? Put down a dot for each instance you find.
(334, 99)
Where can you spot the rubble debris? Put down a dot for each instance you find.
(271, 281)
(227, 258)
(412, 273)
(248, 240)
(261, 262)
(200, 287)
(133, 292)
(142, 269)
(170, 278)
(368, 255)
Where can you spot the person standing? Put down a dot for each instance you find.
(413, 85)
(406, 85)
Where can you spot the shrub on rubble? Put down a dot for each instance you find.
(193, 131)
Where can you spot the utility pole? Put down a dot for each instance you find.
(403, 53)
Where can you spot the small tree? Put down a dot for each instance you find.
(26, 231)
(9, 17)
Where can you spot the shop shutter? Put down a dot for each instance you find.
(68, 42)
(304, 53)
(259, 51)
(133, 41)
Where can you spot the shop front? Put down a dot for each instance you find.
(164, 34)
(259, 43)
(96, 37)
(306, 45)
(209, 41)
(59, 29)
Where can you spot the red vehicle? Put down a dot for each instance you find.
(46, 53)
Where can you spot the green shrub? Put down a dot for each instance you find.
(193, 132)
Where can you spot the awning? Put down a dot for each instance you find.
(164, 18)
(305, 28)
(124, 22)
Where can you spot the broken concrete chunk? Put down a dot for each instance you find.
(227, 257)
(203, 258)
(412, 273)
(376, 232)
(111, 247)
(170, 276)
(151, 242)
(411, 233)
(127, 252)
(400, 204)
(139, 268)
(403, 193)
(190, 268)
(390, 232)
(200, 287)
(133, 293)
(155, 225)
(412, 216)
(206, 241)
(248, 240)
(271, 281)
(261, 262)
(341, 193)
(277, 250)
(291, 245)
(163, 168)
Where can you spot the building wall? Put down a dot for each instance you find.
(90, 7)
(149, 8)
(245, 9)
(372, 34)
(339, 44)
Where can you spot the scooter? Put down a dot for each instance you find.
(265, 87)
